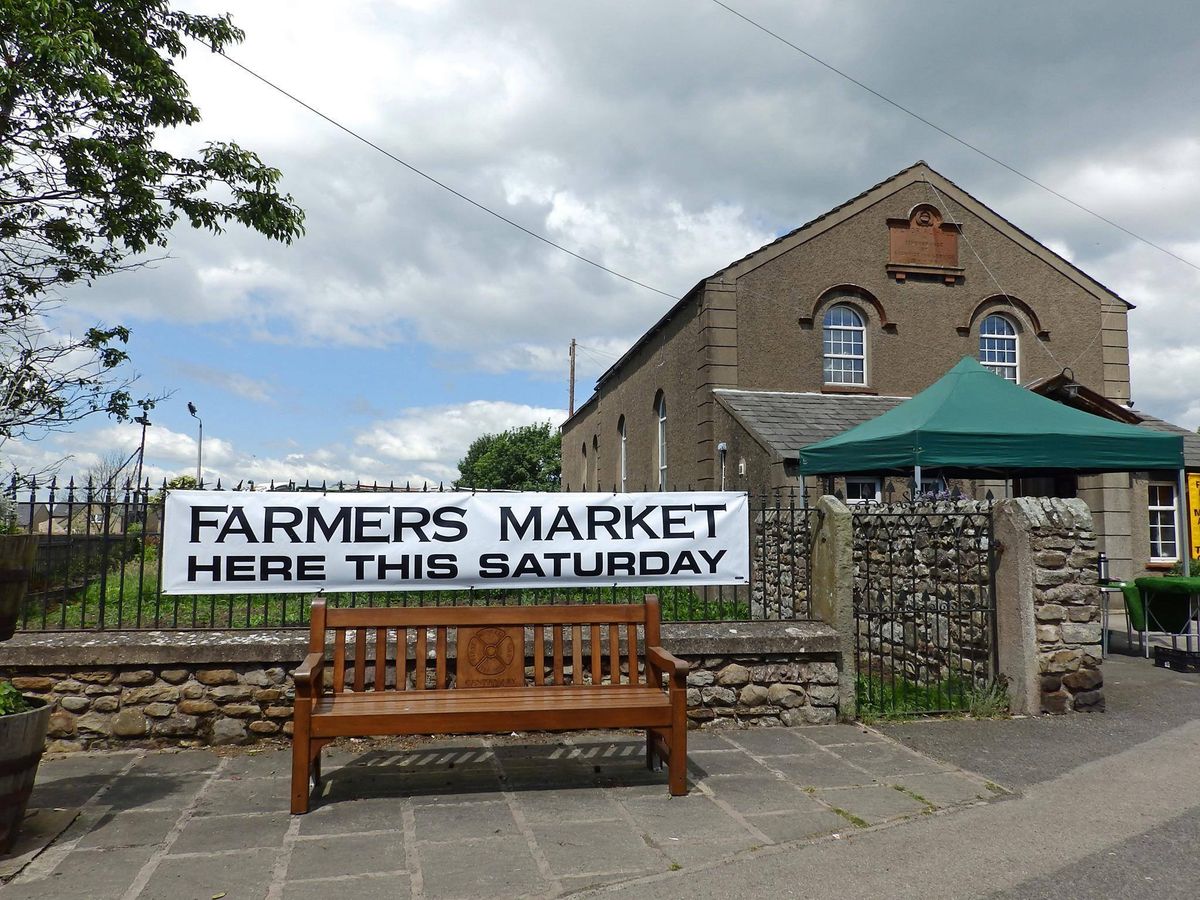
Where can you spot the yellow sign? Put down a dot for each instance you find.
(1194, 512)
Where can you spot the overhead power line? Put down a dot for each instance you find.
(445, 187)
(954, 137)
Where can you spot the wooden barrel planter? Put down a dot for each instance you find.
(17, 553)
(22, 737)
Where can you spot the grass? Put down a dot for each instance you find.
(850, 817)
(128, 597)
(881, 699)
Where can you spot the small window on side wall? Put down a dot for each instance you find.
(844, 346)
(660, 407)
(1164, 522)
(998, 347)
(863, 490)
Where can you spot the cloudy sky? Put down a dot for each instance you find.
(662, 138)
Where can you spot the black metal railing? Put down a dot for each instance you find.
(99, 567)
(925, 607)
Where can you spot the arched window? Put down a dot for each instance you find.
(998, 347)
(623, 469)
(583, 477)
(596, 459)
(845, 346)
(661, 409)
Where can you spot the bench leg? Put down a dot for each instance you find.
(677, 765)
(300, 769)
(651, 750)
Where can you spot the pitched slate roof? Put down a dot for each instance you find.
(1191, 440)
(785, 422)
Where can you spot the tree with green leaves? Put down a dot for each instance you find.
(528, 458)
(85, 88)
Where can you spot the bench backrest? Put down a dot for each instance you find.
(490, 644)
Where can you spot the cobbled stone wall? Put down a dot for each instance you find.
(1066, 599)
(780, 557)
(105, 707)
(192, 705)
(922, 590)
(774, 690)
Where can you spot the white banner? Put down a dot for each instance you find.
(232, 542)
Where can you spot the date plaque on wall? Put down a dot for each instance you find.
(924, 245)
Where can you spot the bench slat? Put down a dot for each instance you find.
(421, 658)
(597, 655)
(380, 657)
(558, 654)
(631, 651)
(402, 659)
(576, 654)
(360, 660)
(339, 661)
(440, 653)
(431, 616)
(539, 654)
(614, 654)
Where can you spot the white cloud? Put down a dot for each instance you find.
(420, 445)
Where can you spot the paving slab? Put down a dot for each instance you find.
(137, 828)
(798, 824)
(335, 854)
(463, 821)
(873, 803)
(445, 817)
(362, 887)
(768, 741)
(818, 769)
(728, 761)
(578, 848)
(235, 875)
(211, 834)
(948, 788)
(83, 875)
(587, 804)
(887, 760)
(502, 867)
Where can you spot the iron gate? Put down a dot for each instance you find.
(925, 607)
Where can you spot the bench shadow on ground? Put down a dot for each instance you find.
(469, 769)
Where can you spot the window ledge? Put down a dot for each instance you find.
(1162, 564)
(848, 389)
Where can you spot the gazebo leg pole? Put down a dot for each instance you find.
(916, 482)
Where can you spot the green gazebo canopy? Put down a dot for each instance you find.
(973, 419)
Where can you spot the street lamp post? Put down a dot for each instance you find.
(199, 445)
(144, 421)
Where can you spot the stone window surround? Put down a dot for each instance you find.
(1172, 509)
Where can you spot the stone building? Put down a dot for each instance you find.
(842, 318)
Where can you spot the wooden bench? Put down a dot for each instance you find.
(488, 691)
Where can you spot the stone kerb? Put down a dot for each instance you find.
(1048, 605)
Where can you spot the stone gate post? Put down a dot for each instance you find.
(1048, 605)
(831, 594)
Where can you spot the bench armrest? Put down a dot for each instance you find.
(308, 678)
(666, 662)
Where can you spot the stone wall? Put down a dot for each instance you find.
(220, 688)
(1066, 600)
(773, 690)
(1048, 605)
(175, 705)
(780, 560)
(922, 591)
